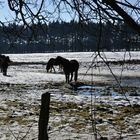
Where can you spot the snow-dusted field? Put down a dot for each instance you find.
(100, 72)
(21, 90)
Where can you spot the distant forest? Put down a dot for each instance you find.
(68, 37)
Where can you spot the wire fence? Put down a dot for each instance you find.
(77, 111)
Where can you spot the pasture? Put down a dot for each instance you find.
(106, 89)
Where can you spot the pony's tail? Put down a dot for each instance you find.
(76, 75)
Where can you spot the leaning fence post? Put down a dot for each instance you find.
(44, 116)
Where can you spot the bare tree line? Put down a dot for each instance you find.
(30, 12)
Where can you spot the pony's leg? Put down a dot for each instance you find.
(60, 68)
(53, 68)
(76, 75)
(1, 69)
(71, 76)
(50, 70)
(5, 70)
(67, 78)
(46, 68)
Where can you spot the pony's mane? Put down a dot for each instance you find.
(61, 58)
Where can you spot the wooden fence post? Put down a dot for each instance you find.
(44, 116)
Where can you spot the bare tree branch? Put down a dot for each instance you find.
(127, 19)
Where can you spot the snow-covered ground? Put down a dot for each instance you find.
(21, 90)
(99, 72)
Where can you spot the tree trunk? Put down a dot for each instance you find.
(44, 117)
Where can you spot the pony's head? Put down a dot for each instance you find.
(48, 67)
(49, 64)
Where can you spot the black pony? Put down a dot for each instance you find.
(50, 65)
(69, 67)
(4, 63)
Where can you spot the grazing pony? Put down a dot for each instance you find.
(4, 63)
(69, 67)
(50, 65)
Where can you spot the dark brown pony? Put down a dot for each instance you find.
(50, 65)
(69, 67)
(4, 63)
